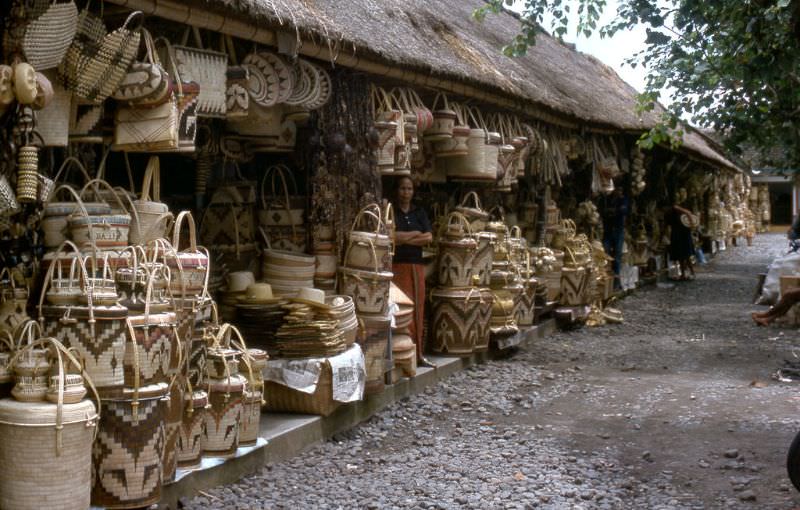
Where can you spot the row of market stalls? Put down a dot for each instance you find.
(198, 220)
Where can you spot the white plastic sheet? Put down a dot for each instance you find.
(348, 369)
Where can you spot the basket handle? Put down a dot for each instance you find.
(68, 164)
(100, 182)
(49, 278)
(445, 103)
(176, 230)
(152, 179)
(136, 369)
(369, 211)
(475, 200)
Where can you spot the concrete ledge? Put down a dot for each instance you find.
(286, 435)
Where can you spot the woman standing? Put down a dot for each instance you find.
(413, 231)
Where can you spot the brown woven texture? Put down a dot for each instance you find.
(282, 399)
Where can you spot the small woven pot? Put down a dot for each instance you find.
(192, 434)
(224, 415)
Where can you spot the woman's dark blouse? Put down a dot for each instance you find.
(414, 219)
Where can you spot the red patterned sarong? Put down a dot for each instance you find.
(410, 278)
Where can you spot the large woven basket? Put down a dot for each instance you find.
(282, 399)
(33, 475)
(131, 441)
(455, 328)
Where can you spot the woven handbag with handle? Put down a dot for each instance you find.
(96, 62)
(146, 83)
(150, 215)
(208, 69)
(48, 37)
(282, 214)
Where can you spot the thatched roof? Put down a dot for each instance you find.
(441, 38)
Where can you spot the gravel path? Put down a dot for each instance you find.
(675, 408)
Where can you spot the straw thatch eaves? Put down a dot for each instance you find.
(438, 40)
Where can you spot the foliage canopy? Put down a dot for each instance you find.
(733, 65)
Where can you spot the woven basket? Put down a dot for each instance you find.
(48, 37)
(454, 325)
(96, 62)
(173, 422)
(150, 215)
(282, 399)
(190, 267)
(226, 404)
(28, 454)
(191, 437)
(131, 441)
(208, 69)
(367, 249)
(250, 425)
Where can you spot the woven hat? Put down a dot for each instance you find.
(311, 296)
(258, 293)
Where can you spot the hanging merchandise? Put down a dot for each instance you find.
(147, 83)
(27, 174)
(48, 36)
(477, 164)
(605, 167)
(97, 62)
(228, 223)
(508, 153)
(208, 69)
(456, 145)
(237, 97)
(282, 212)
(389, 126)
(444, 120)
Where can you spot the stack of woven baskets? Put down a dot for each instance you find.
(461, 308)
(404, 351)
(366, 276)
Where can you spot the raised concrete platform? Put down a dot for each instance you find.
(286, 435)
